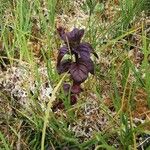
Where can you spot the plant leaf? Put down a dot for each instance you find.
(63, 66)
(73, 37)
(62, 51)
(90, 66)
(73, 99)
(79, 71)
(77, 34)
(76, 88)
(66, 87)
(84, 50)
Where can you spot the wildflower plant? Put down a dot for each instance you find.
(80, 64)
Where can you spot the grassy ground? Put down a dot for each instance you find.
(113, 110)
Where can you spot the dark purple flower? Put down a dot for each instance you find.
(80, 66)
